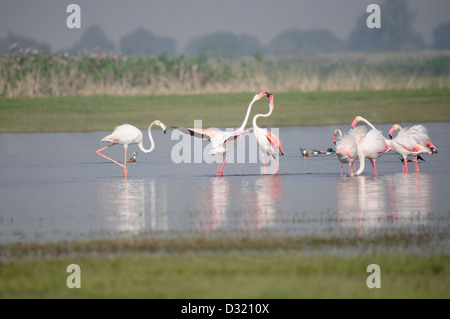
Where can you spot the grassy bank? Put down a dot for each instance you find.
(90, 113)
(236, 267)
(277, 274)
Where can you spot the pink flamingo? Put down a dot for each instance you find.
(221, 140)
(346, 149)
(268, 142)
(372, 146)
(411, 141)
(126, 134)
(358, 133)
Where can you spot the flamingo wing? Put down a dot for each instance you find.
(234, 135)
(124, 134)
(274, 140)
(202, 133)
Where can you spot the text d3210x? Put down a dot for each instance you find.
(229, 308)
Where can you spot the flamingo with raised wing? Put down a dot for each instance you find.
(268, 142)
(127, 134)
(372, 146)
(411, 141)
(222, 141)
(346, 149)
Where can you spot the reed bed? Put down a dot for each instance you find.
(33, 73)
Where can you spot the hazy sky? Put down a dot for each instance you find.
(45, 20)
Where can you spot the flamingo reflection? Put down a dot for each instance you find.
(132, 205)
(267, 205)
(121, 204)
(368, 203)
(214, 204)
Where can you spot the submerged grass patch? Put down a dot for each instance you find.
(92, 113)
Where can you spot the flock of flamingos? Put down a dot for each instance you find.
(362, 141)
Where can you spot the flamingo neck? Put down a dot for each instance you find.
(361, 165)
(152, 143)
(244, 123)
(261, 115)
(367, 122)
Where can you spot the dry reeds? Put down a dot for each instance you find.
(31, 73)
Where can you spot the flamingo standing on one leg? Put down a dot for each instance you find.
(346, 149)
(221, 140)
(268, 142)
(373, 145)
(126, 134)
(411, 141)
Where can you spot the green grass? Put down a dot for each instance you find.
(91, 113)
(243, 267)
(245, 274)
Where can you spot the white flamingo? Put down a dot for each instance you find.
(126, 134)
(411, 141)
(221, 140)
(346, 149)
(372, 146)
(269, 143)
(358, 133)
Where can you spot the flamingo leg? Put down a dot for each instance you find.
(406, 166)
(109, 159)
(350, 170)
(264, 162)
(417, 166)
(276, 171)
(342, 169)
(218, 167)
(374, 167)
(221, 170)
(125, 169)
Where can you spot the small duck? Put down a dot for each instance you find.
(133, 158)
(305, 153)
(411, 160)
(327, 152)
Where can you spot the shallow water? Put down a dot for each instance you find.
(54, 187)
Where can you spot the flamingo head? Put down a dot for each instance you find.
(270, 100)
(262, 94)
(335, 133)
(161, 124)
(393, 128)
(356, 120)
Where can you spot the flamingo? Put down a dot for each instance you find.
(411, 141)
(268, 142)
(126, 134)
(346, 149)
(221, 140)
(372, 146)
(358, 133)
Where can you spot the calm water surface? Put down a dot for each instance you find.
(54, 187)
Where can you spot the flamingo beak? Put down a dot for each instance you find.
(353, 124)
(334, 140)
(391, 131)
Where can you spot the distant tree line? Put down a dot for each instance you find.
(394, 35)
